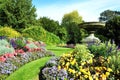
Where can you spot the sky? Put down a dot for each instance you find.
(89, 9)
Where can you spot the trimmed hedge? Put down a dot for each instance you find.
(39, 33)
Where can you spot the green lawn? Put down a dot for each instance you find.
(31, 70)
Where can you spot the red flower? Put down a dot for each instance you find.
(2, 59)
(9, 55)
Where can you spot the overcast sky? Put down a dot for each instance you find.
(89, 9)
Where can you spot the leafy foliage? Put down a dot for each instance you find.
(20, 42)
(4, 42)
(49, 24)
(17, 13)
(114, 64)
(4, 50)
(70, 21)
(74, 68)
(39, 33)
(5, 47)
(103, 49)
(9, 32)
(83, 51)
(108, 14)
(112, 28)
(71, 17)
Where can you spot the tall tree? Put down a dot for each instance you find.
(113, 29)
(70, 21)
(107, 15)
(49, 24)
(72, 17)
(17, 13)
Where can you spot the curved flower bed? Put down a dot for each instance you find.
(81, 64)
(21, 53)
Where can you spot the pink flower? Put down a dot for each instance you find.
(9, 55)
(15, 54)
(2, 59)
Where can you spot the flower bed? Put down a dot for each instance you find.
(23, 51)
(102, 64)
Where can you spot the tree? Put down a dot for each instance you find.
(17, 13)
(113, 29)
(49, 24)
(107, 15)
(70, 21)
(72, 17)
(62, 33)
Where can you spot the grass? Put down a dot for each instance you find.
(31, 70)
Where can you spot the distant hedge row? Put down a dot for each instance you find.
(35, 32)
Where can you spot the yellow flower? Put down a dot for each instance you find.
(83, 63)
(107, 74)
(71, 70)
(63, 63)
(90, 78)
(80, 67)
(109, 69)
(73, 62)
(59, 67)
(83, 71)
(67, 65)
(91, 60)
(103, 76)
(85, 76)
(96, 78)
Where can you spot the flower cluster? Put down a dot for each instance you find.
(82, 65)
(51, 71)
(10, 61)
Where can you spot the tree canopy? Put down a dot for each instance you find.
(70, 21)
(49, 24)
(107, 15)
(72, 17)
(17, 13)
(113, 29)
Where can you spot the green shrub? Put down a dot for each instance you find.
(51, 38)
(31, 45)
(82, 53)
(9, 32)
(4, 42)
(20, 43)
(103, 49)
(114, 64)
(4, 49)
(39, 33)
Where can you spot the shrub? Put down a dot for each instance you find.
(4, 42)
(9, 32)
(4, 50)
(51, 38)
(5, 47)
(39, 33)
(103, 49)
(114, 64)
(20, 42)
(83, 51)
(31, 45)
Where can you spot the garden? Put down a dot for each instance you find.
(41, 48)
(95, 62)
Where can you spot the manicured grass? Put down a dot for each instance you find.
(31, 70)
(28, 71)
(59, 50)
